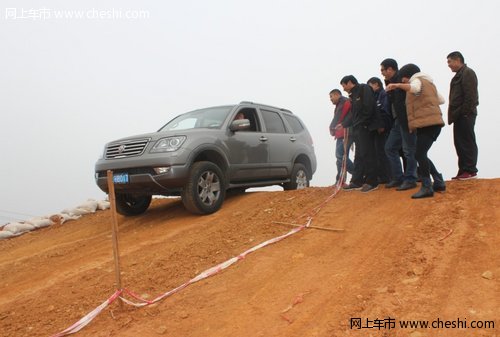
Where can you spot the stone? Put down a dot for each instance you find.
(487, 275)
(161, 329)
(411, 280)
(418, 270)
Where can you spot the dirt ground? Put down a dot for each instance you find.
(397, 259)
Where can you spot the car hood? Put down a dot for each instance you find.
(154, 136)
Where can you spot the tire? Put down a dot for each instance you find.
(299, 178)
(205, 189)
(130, 205)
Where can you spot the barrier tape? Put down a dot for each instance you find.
(85, 320)
(211, 271)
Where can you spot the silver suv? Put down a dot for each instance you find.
(201, 154)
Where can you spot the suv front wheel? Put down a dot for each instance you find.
(299, 178)
(205, 190)
(130, 205)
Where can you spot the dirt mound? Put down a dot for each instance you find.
(397, 259)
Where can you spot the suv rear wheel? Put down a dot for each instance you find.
(205, 190)
(129, 205)
(299, 178)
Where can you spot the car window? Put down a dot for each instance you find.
(204, 118)
(251, 115)
(273, 121)
(294, 123)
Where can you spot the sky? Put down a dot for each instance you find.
(77, 74)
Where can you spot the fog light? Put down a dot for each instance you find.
(162, 170)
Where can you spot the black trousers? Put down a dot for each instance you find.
(425, 137)
(465, 143)
(365, 158)
(383, 166)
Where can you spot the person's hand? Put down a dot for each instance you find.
(380, 130)
(391, 86)
(338, 126)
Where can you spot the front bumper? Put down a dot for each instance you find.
(146, 181)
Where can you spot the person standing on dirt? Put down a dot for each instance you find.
(424, 119)
(342, 109)
(383, 166)
(462, 113)
(363, 121)
(399, 136)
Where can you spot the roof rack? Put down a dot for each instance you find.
(266, 105)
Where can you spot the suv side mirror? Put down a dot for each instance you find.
(240, 125)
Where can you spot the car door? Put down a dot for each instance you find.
(280, 143)
(248, 150)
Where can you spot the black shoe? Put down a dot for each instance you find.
(393, 183)
(351, 187)
(406, 185)
(368, 188)
(439, 187)
(425, 192)
(439, 184)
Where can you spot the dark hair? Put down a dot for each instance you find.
(348, 78)
(389, 63)
(336, 91)
(408, 70)
(375, 80)
(456, 55)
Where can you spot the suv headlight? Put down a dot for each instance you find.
(169, 144)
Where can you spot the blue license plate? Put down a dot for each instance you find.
(120, 178)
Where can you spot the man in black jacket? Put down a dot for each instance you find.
(364, 123)
(399, 136)
(462, 112)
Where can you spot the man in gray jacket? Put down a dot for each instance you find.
(462, 112)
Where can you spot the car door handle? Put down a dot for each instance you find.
(263, 139)
(293, 139)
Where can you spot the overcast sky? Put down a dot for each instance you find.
(119, 68)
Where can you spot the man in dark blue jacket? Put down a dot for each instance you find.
(364, 123)
(383, 166)
(400, 135)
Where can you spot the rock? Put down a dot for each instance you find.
(382, 290)
(487, 275)
(482, 234)
(183, 315)
(411, 280)
(161, 329)
(418, 270)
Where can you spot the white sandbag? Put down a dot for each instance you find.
(5, 235)
(40, 222)
(103, 204)
(89, 205)
(75, 211)
(18, 227)
(59, 219)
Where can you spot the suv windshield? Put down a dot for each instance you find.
(203, 118)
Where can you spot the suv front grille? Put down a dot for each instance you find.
(126, 149)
